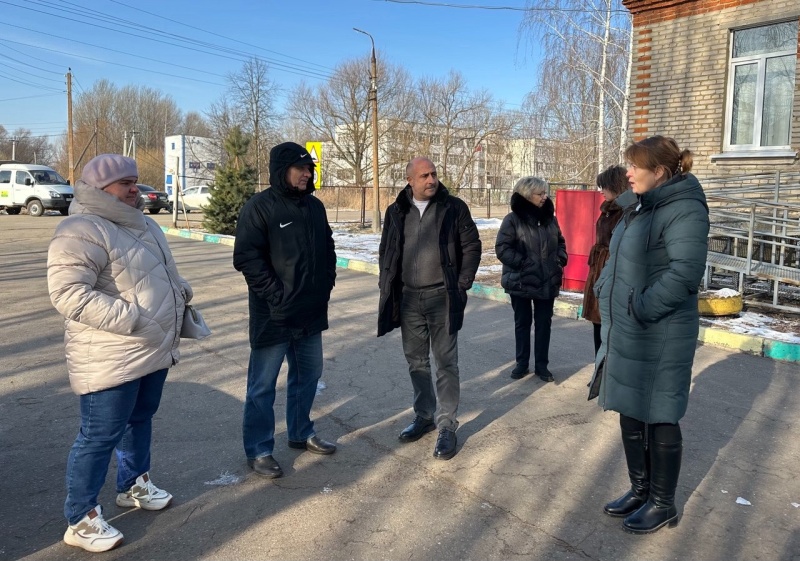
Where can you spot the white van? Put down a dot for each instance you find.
(37, 188)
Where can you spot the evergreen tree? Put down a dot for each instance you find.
(234, 183)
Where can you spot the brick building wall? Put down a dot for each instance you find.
(680, 75)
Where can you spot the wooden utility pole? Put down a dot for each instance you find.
(70, 137)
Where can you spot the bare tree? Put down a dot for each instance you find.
(25, 147)
(588, 43)
(195, 125)
(252, 98)
(456, 124)
(106, 118)
(339, 111)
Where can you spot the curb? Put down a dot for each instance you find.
(759, 346)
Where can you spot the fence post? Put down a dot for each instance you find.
(750, 235)
(363, 206)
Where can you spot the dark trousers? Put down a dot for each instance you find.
(541, 316)
(597, 339)
(423, 325)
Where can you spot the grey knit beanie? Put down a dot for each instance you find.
(105, 169)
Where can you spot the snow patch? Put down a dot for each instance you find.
(226, 478)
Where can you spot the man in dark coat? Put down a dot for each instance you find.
(429, 254)
(284, 248)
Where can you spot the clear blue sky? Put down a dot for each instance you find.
(40, 39)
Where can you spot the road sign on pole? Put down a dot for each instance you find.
(315, 151)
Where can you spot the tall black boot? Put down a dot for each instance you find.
(638, 471)
(659, 510)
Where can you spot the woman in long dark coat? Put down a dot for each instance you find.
(612, 182)
(533, 253)
(649, 323)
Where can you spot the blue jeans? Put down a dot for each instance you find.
(304, 356)
(423, 325)
(118, 418)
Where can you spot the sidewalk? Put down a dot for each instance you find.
(751, 344)
(535, 463)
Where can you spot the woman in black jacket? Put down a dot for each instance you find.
(533, 253)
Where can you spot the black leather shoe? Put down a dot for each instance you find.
(545, 375)
(265, 466)
(445, 445)
(519, 372)
(417, 429)
(315, 445)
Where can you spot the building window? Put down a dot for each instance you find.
(761, 79)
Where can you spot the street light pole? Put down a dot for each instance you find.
(373, 94)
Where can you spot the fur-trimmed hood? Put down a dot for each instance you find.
(532, 213)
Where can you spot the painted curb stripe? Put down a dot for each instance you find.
(769, 348)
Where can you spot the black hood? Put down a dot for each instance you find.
(281, 157)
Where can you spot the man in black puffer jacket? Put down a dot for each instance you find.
(429, 254)
(284, 248)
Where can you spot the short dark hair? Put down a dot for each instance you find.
(614, 179)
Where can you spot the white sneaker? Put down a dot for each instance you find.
(145, 495)
(93, 533)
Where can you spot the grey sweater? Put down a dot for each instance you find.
(422, 264)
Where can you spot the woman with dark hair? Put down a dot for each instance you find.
(533, 253)
(649, 321)
(612, 182)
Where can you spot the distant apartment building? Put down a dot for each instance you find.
(190, 160)
(722, 78)
(462, 161)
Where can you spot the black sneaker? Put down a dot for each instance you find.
(545, 375)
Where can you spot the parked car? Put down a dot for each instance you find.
(154, 200)
(195, 198)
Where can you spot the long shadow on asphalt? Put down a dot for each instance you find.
(536, 462)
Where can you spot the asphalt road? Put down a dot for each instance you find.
(536, 461)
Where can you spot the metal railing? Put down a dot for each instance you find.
(754, 240)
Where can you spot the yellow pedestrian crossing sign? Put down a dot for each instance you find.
(315, 151)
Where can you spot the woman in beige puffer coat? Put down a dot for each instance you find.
(111, 275)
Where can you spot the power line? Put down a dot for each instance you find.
(33, 84)
(36, 123)
(497, 8)
(221, 36)
(117, 63)
(168, 38)
(30, 96)
(29, 65)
